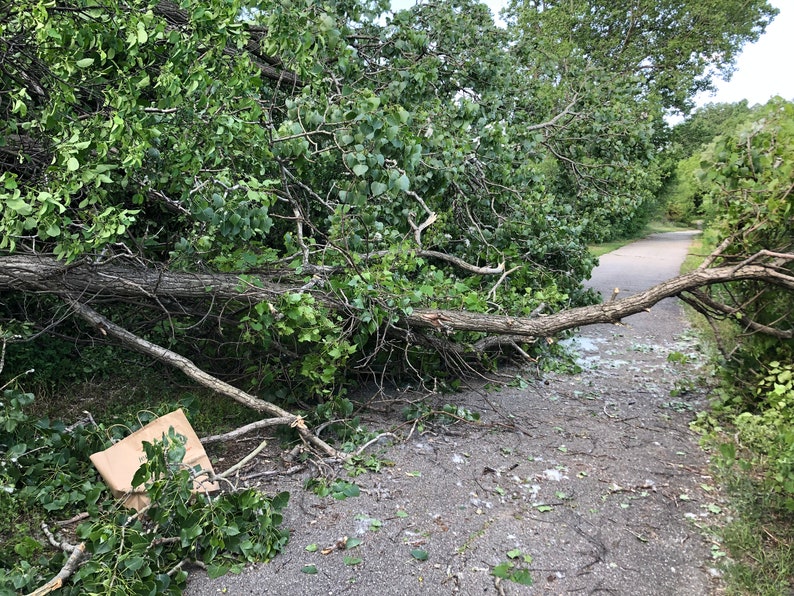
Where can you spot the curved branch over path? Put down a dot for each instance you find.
(44, 274)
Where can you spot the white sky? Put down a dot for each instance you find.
(764, 69)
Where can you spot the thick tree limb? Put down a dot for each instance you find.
(44, 274)
(608, 312)
(132, 341)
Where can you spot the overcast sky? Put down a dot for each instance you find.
(764, 69)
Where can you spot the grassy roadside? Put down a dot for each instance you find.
(654, 227)
(755, 542)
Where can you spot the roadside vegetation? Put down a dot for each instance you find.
(655, 226)
(745, 169)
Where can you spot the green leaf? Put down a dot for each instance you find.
(85, 62)
(375, 524)
(378, 188)
(521, 576)
(419, 554)
(280, 501)
(20, 206)
(309, 569)
(215, 571)
(352, 543)
(360, 169)
(312, 548)
(143, 37)
(72, 164)
(350, 561)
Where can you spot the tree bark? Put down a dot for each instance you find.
(88, 280)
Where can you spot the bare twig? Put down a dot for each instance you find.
(194, 372)
(243, 461)
(492, 291)
(463, 264)
(243, 430)
(363, 448)
(418, 229)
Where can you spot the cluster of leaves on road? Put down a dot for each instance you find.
(45, 473)
(515, 569)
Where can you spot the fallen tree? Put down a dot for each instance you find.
(81, 284)
(86, 281)
(292, 194)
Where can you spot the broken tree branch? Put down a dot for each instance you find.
(72, 563)
(178, 361)
(33, 273)
(706, 305)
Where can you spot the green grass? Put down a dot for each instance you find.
(758, 540)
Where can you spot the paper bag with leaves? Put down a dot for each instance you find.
(118, 464)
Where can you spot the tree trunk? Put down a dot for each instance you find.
(45, 274)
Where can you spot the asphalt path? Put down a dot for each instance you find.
(639, 266)
(594, 478)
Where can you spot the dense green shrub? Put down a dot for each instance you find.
(769, 430)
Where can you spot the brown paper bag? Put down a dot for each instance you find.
(118, 464)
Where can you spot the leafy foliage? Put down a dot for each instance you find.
(740, 182)
(46, 472)
(349, 154)
(769, 433)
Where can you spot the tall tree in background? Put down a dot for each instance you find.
(622, 67)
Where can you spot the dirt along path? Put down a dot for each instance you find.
(588, 484)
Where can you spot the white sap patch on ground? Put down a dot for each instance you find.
(582, 343)
(554, 474)
(586, 350)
